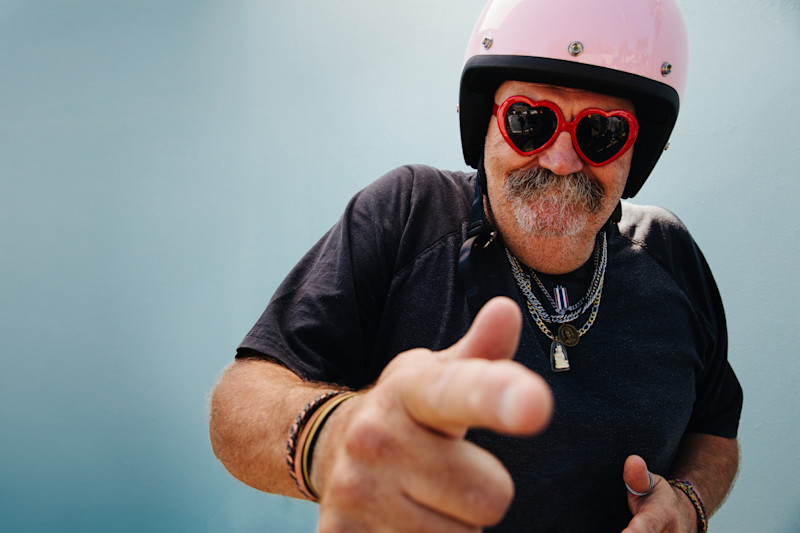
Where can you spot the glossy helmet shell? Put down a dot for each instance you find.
(636, 49)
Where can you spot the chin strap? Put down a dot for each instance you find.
(615, 217)
(480, 235)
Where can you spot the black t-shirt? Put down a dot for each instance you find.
(652, 367)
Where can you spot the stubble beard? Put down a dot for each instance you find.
(547, 204)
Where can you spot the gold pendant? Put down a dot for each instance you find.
(568, 335)
(558, 357)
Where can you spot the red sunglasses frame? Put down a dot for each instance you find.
(563, 125)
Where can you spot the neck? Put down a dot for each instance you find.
(551, 255)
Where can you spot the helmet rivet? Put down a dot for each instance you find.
(575, 48)
(487, 43)
(666, 68)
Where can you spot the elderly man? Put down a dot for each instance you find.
(512, 348)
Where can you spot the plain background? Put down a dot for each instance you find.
(163, 163)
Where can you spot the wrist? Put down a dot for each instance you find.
(691, 495)
(303, 436)
(326, 451)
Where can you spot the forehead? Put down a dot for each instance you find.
(567, 98)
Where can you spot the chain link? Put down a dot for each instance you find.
(580, 307)
(535, 307)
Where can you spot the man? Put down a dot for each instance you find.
(527, 354)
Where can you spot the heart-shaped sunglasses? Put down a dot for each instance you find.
(599, 137)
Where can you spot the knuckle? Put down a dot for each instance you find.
(349, 489)
(493, 500)
(486, 494)
(368, 438)
(331, 522)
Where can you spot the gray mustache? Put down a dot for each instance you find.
(575, 189)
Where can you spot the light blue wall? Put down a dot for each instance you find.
(156, 183)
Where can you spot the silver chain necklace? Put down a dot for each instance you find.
(568, 335)
(523, 280)
(600, 259)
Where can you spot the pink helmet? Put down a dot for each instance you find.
(636, 49)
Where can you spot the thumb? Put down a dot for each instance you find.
(494, 333)
(637, 477)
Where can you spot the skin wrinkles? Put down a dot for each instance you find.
(552, 230)
(548, 204)
(394, 458)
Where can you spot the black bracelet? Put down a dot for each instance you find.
(294, 432)
(306, 450)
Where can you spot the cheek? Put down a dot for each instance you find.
(494, 158)
(614, 176)
(499, 155)
(494, 142)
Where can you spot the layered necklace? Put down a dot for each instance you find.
(567, 335)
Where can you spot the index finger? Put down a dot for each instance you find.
(454, 395)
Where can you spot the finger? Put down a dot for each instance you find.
(453, 396)
(645, 523)
(462, 481)
(636, 475)
(494, 333)
(401, 514)
(391, 462)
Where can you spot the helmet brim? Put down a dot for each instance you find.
(656, 103)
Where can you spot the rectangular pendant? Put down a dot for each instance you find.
(562, 302)
(558, 357)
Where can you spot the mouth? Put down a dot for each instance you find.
(548, 204)
(539, 185)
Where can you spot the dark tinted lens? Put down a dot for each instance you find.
(530, 127)
(600, 138)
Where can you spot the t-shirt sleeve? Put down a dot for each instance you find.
(319, 321)
(718, 396)
(719, 399)
(323, 320)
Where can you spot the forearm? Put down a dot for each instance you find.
(710, 463)
(252, 409)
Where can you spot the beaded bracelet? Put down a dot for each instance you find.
(688, 489)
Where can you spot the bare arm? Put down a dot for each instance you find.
(394, 458)
(252, 408)
(710, 463)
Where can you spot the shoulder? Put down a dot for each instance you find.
(666, 240)
(664, 237)
(407, 211)
(659, 231)
(416, 201)
(648, 223)
(421, 184)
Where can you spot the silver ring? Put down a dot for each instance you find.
(645, 493)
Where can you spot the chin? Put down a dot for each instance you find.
(551, 221)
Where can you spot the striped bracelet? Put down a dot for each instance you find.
(306, 451)
(687, 488)
(303, 435)
(300, 422)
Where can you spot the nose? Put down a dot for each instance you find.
(561, 157)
